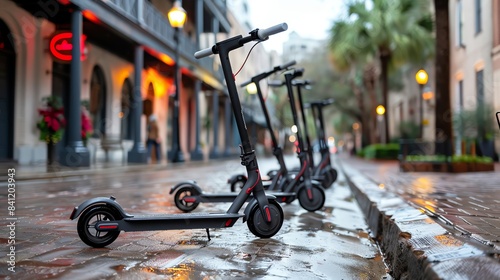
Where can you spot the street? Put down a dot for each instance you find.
(332, 243)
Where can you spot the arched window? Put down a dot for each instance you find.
(127, 101)
(98, 102)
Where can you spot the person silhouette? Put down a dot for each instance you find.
(153, 137)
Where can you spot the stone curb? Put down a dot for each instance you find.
(415, 246)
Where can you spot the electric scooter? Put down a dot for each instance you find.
(312, 193)
(102, 219)
(188, 194)
(324, 167)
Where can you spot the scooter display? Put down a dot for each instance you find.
(188, 194)
(101, 219)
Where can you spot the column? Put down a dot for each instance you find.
(215, 120)
(196, 153)
(75, 154)
(138, 153)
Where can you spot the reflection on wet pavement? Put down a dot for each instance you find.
(333, 243)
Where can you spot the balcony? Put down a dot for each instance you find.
(145, 15)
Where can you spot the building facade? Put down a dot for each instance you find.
(124, 74)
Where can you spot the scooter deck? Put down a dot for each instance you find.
(177, 221)
(229, 197)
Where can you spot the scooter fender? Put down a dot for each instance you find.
(313, 182)
(236, 178)
(252, 203)
(191, 183)
(110, 201)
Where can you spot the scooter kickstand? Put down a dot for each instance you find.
(208, 234)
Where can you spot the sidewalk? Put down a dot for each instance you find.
(430, 225)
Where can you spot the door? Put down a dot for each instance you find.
(7, 78)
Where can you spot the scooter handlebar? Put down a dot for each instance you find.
(275, 83)
(246, 83)
(286, 65)
(263, 34)
(204, 53)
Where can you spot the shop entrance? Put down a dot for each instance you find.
(7, 78)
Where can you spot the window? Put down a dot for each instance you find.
(477, 9)
(459, 24)
(97, 107)
(480, 87)
(127, 102)
(460, 95)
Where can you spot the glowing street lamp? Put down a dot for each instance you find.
(251, 88)
(421, 77)
(380, 118)
(177, 18)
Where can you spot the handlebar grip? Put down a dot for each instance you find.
(246, 83)
(286, 65)
(263, 34)
(275, 83)
(204, 53)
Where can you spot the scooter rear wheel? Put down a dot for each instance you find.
(181, 203)
(258, 226)
(86, 226)
(238, 185)
(317, 201)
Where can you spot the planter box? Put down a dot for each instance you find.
(454, 167)
(460, 167)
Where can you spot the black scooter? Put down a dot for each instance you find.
(324, 167)
(312, 194)
(102, 219)
(188, 194)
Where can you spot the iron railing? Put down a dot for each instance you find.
(144, 14)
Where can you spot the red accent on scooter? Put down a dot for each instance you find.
(309, 194)
(268, 214)
(107, 227)
(229, 222)
(251, 188)
(302, 170)
(189, 199)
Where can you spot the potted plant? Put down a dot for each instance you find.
(51, 124)
(87, 128)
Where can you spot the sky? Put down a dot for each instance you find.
(309, 18)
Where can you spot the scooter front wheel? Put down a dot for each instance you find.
(87, 230)
(180, 201)
(261, 228)
(311, 199)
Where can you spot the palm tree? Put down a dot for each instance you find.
(443, 108)
(393, 32)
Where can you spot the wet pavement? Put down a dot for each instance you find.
(333, 243)
(430, 225)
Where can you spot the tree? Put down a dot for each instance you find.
(443, 104)
(393, 32)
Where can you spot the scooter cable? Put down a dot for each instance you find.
(250, 51)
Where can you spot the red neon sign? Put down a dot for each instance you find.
(60, 46)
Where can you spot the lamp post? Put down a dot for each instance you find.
(177, 18)
(380, 118)
(421, 77)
